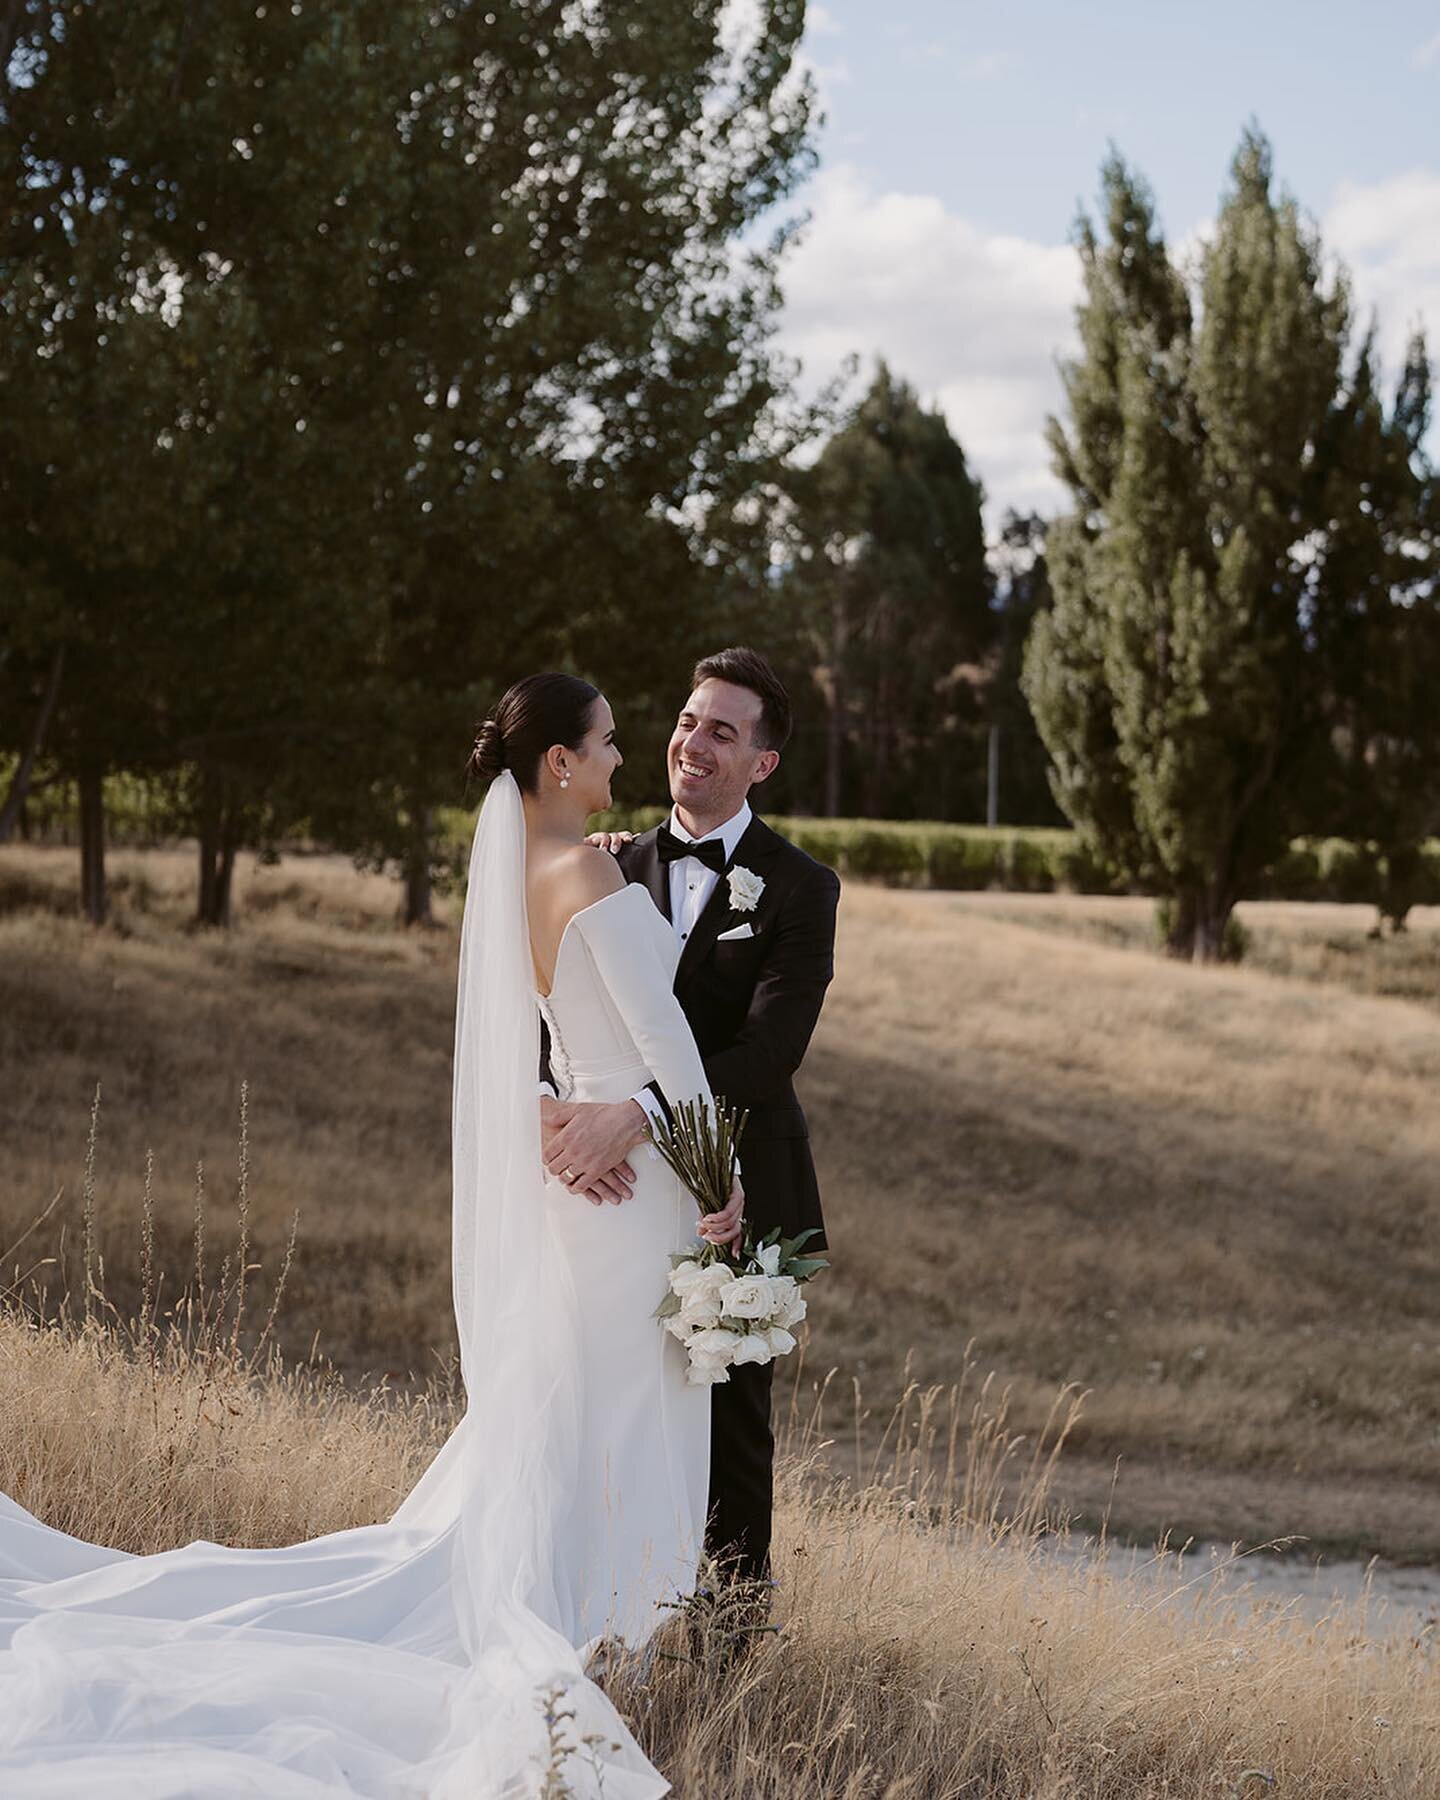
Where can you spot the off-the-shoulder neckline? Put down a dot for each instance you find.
(579, 913)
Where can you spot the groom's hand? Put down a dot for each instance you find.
(586, 1146)
(613, 841)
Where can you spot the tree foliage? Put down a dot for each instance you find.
(889, 566)
(1182, 681)
(398, 350)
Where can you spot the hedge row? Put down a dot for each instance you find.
(1017, 859)
(902, 853)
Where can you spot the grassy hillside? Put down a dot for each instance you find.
(1208, 1196)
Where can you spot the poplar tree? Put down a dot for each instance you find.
(1179, 680)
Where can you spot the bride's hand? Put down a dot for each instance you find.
(727, 1227)
(613, 841)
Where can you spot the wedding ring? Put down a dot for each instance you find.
(567, 1174)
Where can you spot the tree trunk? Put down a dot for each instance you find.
(1199, 924)
(209, 837)
(417, 868)
(835, 723)
(877, 772)
(20, 781)
(1402, 866)
(224, 882)
(219, 841)
(93, 898)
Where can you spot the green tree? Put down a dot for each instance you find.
(889, 566)
(171, 530)
(1376, 611)
(581, 398)
(1176, 680)
(456, 364)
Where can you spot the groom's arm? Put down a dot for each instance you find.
(756, 1068)
(616, 1181)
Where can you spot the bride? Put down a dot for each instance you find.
(416, 1659)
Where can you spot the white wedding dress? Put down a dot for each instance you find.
(411, 1660)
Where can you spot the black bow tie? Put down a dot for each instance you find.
(672, 848)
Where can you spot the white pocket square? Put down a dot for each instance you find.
(735, 931)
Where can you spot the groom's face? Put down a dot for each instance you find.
(713, 758)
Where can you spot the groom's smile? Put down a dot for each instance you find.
(713, 758)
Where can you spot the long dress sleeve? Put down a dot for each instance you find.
(620, 934)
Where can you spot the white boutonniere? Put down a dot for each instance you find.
(746, 887)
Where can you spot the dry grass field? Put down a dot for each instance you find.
(930, 1645)
(1209, 1197)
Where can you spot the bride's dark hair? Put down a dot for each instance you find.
(532, 715)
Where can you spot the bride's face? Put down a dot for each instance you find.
(597, 759)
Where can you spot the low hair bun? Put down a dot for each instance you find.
(487, 759)
(529, 718)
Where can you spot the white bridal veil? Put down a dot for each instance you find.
(410, 1659)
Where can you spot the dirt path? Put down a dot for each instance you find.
(1392, 1601)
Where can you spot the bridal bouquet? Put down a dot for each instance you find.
(727, 1308)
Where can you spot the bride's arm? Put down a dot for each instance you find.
(621, 940)
(620, 936)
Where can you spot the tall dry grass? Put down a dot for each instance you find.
(931, 1643)
(181, 1419)
(1207, 1195)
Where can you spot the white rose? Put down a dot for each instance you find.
(748, 1297)
(706, 1371)
(716, 1341)
(680, 1327)
(685, 1276)
(754, 1347)
(768, 1258)
(700, 1309)
(791, 1307)
(780, 1341)
(746, 887)
(714, 1277)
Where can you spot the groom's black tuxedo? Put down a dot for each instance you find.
(752, 1003)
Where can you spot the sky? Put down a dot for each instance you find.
(960, 140)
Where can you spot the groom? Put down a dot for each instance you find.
(754, 918)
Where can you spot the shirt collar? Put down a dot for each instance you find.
(729, 834)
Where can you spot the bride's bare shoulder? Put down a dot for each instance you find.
(582, 876)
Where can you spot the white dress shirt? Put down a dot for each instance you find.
(691, 883)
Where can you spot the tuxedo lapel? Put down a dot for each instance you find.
(754, 851)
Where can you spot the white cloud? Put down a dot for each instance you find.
(821, 21)
(1389, 234)
(1424, 54)
(973, 319)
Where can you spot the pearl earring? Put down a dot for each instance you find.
(564, 781)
